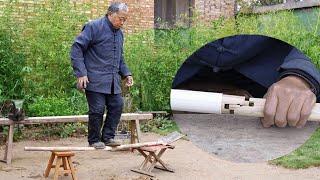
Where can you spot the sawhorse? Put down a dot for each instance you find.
(152, 158)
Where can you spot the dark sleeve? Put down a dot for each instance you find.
(124, 70)
(78, 49)
(296, 63)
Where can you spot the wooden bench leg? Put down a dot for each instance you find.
(47, 171)
(8, 153)
(138, 131)
(133, 132)
(5, 152)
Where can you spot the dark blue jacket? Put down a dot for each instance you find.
(262, 59)
(98, 53)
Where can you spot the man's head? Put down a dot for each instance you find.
(117, 14)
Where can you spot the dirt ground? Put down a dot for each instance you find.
(189, 162)
(242, 139)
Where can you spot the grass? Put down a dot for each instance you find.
(308, 155)
(162, 126)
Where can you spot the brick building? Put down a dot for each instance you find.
(145, 14)
(165, 13)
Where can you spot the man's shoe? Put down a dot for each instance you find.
(112, 143)
(98, 145)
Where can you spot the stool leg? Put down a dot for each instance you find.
(73, 173)
(57, 168)
(164, 166)
(154, 162)
(144, 163)
(65, 165)
(49, 166)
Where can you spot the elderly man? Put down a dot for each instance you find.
(98, 63)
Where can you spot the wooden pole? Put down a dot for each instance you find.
(168, 139)
(9, 149)
(121, 147)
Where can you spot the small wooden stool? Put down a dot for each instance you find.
(63, 160)
(152, 159)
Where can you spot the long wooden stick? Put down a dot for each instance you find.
(121, 147)
(168, 139)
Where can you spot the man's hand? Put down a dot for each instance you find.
(129, 81)
(288, 101)
(82, 82)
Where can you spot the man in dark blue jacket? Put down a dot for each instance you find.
(262, 66)
(98, 62)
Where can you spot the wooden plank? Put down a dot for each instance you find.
(72, 119)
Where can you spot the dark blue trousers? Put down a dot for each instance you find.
(98, 102)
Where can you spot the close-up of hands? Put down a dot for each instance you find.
(288, 102)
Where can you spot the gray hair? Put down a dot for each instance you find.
(116, 7)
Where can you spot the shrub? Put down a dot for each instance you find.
(12, 68)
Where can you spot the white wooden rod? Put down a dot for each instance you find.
(257, 110)
(217, 103)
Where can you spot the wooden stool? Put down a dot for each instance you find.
(63, 160)
(152, 159)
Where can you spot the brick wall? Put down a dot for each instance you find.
(141, 11)
(213, 9)
(141, 15)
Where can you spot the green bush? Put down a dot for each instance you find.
(55, 106)
(11, 67)
(48, 39)
(43, 45)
